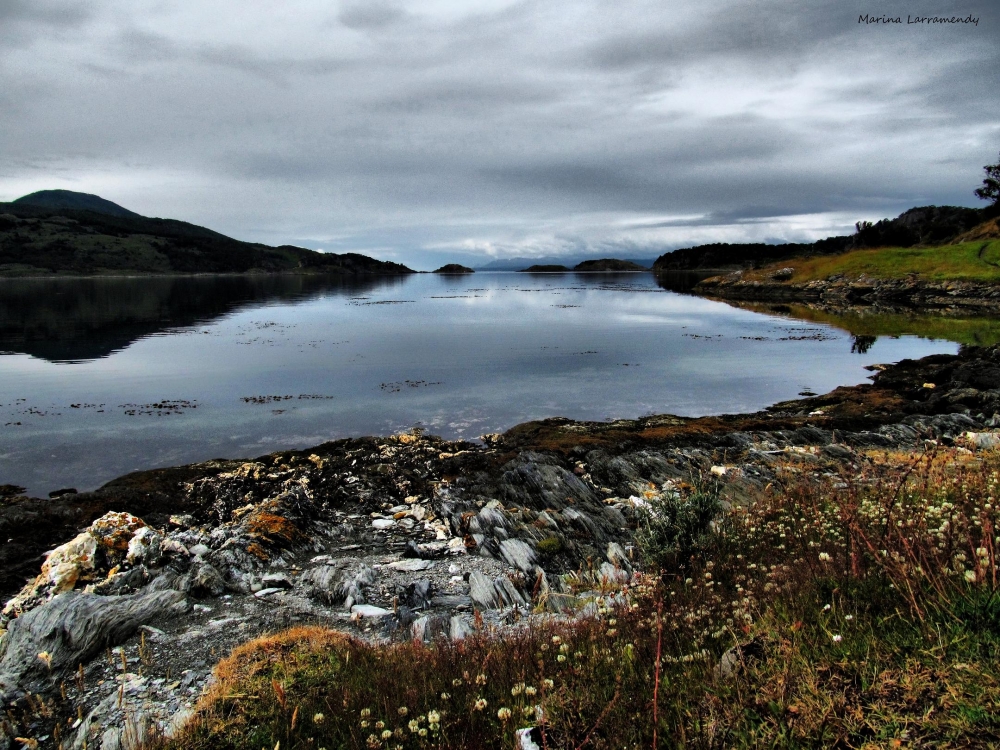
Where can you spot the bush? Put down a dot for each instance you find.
(674, 530)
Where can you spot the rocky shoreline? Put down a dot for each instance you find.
(840, 291)
(159, 574)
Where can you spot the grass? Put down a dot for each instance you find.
(969, 261)
(862, 612)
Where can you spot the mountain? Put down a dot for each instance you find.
(60, 199)
(520, 264)
(38, 239)
(609, 264)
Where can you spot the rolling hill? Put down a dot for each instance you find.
(67, 233)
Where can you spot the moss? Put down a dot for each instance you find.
(550, 546)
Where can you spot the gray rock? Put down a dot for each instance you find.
(451, 601)
(556, 602)
(519, 554)
(340, 581)
(460, 628)
(613, 574)
(264, 593)
(417, 595)
(617, 556)
(508, 593)
(72, 628)
(368, 610)
(276, 580)
(411, 565)
(431, 627)
(203, 580)
(482, 591)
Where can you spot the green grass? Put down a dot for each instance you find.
(864, 620)
(969, 261)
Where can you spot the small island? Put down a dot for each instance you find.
(452, 268)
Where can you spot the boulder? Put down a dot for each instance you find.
(144, 548)
(519, 554)
(70, 629)
(482, 591)
(339, 581)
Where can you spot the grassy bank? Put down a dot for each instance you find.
(858, 612)
(969, 261)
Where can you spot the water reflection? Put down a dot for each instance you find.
(76, 320)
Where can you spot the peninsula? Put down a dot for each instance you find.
(60, 232)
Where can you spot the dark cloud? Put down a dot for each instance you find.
(369, 15)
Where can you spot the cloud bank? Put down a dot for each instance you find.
(444, 130)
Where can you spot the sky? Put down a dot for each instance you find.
(469, 130)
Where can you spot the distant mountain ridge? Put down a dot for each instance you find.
(520, 264)
(62, 232)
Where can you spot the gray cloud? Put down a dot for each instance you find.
(413, 130)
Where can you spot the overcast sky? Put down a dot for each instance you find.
(454, 130)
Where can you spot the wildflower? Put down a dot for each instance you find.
(824, 557)
(838, 638)
(826, 607)
(564, 649)
(456, 682)
(422, 732)
(445, 696)
(529, 690)
(612, 632)
(970, 576)
(373, 742)
(480, 704)
(556, 639)
(386, 734)
(380, 725)
(561, 657)
(402, 710)
(365, 713)
(848, 617)
(433, 717)
(503, 714)
(549, 684)
(481, 679)
(414, 726)
(517, 689)
(318, 718)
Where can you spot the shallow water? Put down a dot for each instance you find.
(99, 377)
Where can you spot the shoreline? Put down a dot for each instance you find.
(838, 291)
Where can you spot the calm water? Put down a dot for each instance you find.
(102, 377)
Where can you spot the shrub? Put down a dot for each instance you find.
(674, 530)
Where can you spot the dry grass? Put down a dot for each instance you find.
(866, 612)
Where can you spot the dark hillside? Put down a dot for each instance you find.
(922, 226)
(39, 240)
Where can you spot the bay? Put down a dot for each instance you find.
(99, 377)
